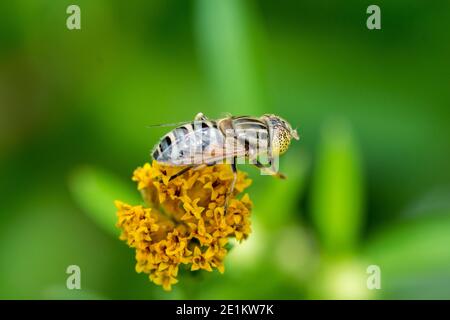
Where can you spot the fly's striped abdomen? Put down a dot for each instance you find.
(159, 152)
(185, 144)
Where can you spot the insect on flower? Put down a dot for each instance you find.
(204, 142)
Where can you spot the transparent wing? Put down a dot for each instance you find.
(174, 124)
(203, 145)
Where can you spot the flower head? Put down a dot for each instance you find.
(184, 221)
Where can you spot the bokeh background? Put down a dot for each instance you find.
(369, 182)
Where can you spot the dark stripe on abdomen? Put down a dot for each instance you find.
(165, 143)
(156, 154)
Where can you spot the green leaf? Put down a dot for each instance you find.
(96, 190)
(337, 192)
(413, 255)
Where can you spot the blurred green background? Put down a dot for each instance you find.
(369, 182)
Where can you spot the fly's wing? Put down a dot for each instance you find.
(174, 124)
(203, 145)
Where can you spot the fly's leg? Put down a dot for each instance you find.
(269, 170)
(231, 189)
(200, 117)
(179, 173)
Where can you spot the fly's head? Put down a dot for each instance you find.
(283, 133)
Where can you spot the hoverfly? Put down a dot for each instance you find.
(205, 142)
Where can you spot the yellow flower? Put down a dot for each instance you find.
(184, 221)
(200, 260)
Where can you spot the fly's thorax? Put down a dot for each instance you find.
(252, 134)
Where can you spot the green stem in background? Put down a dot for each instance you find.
(227, 33)
(337, 191)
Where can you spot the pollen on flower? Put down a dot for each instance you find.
(183, 221)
